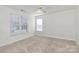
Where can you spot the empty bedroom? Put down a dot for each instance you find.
(39, 28)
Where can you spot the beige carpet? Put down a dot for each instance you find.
(39, 44)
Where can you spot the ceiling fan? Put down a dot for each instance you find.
(40, 11)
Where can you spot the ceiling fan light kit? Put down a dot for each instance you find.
(40, 11)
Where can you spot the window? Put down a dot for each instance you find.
(18, 24)
(39, 23)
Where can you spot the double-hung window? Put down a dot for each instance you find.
(18, 24)
(39, 24)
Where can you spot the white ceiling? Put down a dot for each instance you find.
(48, 8)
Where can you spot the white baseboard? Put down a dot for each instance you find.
(21, 37)
(49, 35)
(14, 39)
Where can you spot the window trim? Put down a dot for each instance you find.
(36, 23)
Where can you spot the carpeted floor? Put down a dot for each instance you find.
(39, 44)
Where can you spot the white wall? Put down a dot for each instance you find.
(59, 25)
(77, 24)
(5, 35)
(32, 24)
